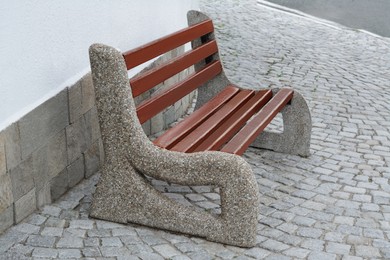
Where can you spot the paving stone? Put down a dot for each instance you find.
(297, 252)
(309, 232)
(45, 252)
(152, 256)
(313, 244)
(51, 211)
(338, 248)
(334, 237)
(111, 242)
(69, 253)
(40, 241)
(274, 245)
(52, 231)
(81, 224)
(27, 228)
(321, 256)
(74, 232)
(36, 219)
(70, 242)
(166, 250)
(367, 251)
(115, 251)
(91, 252)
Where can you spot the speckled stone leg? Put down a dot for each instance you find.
(123, 195)
(295, 138)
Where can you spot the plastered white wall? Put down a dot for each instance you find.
(44, 44)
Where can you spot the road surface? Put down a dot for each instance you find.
(372, 15)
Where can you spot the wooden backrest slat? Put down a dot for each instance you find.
(242, 140)
(162, 45)
(153, 77)
(156, 104)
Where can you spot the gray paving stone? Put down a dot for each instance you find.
(70, 242)
(274, 245)
(40, 241)
(152, 256)
(74, 232)
(111, 242)
(338, 248)
(45, 252)
(52, 231)
(322, 256)
(297, 252)
(166, 250)
(27, 228)
(81, 224)
(69, 253)
(367, 251)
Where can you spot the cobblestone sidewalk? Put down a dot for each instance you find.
(333, 205)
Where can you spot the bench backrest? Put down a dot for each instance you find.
(202, 54)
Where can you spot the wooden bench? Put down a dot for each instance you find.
(227, 119)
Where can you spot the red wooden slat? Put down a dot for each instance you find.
(156, 104)
(231, 126)
(191, 141)
(155, 48)
(179, 131)
(157, 75)
(242, 140)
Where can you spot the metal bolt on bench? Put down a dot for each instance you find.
(200, 150)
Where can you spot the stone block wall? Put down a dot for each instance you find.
(57, 144)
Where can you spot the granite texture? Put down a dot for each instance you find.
(123, 194)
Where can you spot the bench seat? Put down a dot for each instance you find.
(221, 123)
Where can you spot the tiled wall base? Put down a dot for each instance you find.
(56, 145)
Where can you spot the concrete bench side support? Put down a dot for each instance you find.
(123, 195)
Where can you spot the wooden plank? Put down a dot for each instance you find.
(231, 126)
(241, 141)
(156, 104)
(155, 48)
(191, 141)
(182, 129)
(157, 75)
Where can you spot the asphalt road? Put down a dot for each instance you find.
(370, 15)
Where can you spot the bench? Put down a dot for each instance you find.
(200, 150)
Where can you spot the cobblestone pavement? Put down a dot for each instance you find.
(333, 205)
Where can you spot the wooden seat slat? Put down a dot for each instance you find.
(242, 140)
(153, 77)
(192, 140)
(156, 104)
(231, 126)
(162, 45)
(181, 129)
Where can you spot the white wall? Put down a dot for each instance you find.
(44, 44)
